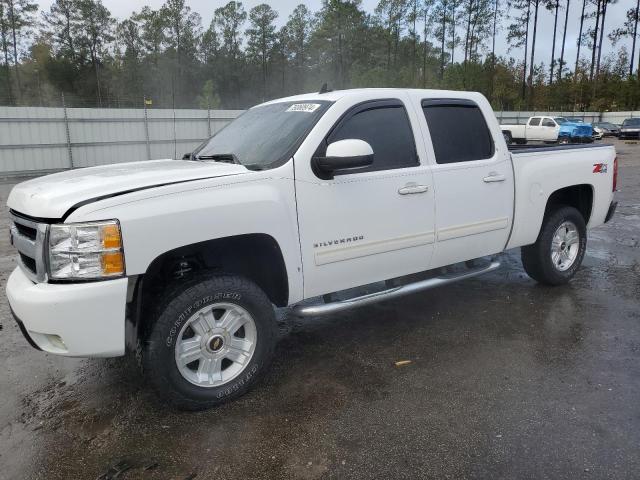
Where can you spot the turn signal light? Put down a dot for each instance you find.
(112, 263)
(111, 237)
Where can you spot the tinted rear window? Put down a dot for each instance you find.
(459, 132)
(631, 122)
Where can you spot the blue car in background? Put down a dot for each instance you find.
(573, 130)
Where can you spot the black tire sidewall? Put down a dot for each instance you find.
(551, 224)
(159, 357)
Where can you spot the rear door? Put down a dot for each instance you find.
(473, 180)
(549, 129)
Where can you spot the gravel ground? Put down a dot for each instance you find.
(508, 379)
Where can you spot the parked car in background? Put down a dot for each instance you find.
(608, 129)
(598, 133)
(630, 128)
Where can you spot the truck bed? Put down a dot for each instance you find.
(542, 169)
(516, 149)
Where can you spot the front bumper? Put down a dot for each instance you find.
(73, 319)
(629, 135)
(582, 139)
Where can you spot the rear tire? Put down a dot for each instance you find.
(211, 341)
(507, 137)
(559, 250)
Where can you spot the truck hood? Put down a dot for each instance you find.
(52, 196)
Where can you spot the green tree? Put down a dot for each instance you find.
(229, 21)
(339, 40)
(97, 27)
(629, 29)
(261, 38)
(62, 20)
(518, 34)
(297, 33)
(5, 28)
(21, 17)
(391, 14)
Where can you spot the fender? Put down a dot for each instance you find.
(157, 220)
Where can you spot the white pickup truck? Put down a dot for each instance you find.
(549, 130)
(542, 129)
(298, 202)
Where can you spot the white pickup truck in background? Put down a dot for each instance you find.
(548, 130)
(299, 202)
(541, 129)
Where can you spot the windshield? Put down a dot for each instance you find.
(631, 122)
(264, 136)
(560, 120)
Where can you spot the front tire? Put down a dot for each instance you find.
(211, 341)
(559, 250)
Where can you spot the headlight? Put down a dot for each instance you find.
(85, 251)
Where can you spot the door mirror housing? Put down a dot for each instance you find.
(343, 156)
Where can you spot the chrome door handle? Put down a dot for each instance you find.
(411, 188)
(494, 177)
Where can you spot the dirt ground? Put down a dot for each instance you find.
(508, 379)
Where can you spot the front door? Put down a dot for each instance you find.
(473, 179)
(368, 225)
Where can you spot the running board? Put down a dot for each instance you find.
(334, 307)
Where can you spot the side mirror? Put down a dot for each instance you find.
(344, 155)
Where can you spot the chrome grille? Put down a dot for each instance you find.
(28, 237)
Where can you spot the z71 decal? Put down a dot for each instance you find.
(599, 168)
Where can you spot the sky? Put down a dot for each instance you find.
(616, 14)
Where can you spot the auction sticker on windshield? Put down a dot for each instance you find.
(303, 107)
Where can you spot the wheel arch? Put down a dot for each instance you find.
(257, 257)
(579, 196)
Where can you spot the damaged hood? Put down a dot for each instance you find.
(52, 195)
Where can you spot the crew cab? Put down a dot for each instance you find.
(321, 202)
(548, 129)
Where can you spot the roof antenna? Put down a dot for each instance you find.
(324, 88)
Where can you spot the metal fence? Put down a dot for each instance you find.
(619, 117)
(36, 140)
(520, 118)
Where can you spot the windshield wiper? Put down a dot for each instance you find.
(228, 158)
(219, 157)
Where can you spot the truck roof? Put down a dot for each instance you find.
(374, 93)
